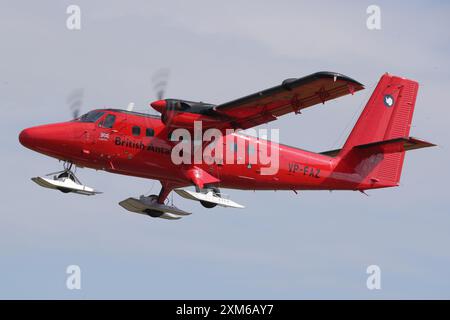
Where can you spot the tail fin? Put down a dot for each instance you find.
(376, 146)
(388, 114)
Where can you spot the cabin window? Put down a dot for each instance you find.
(136, 131)
(149, 132)
(108, 122)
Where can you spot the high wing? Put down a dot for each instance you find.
(292, 95)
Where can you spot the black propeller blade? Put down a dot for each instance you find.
(75, 102)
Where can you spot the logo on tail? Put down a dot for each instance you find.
(388, 100)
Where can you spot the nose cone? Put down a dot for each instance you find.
(27, 137)
(47, 138)
(159, 105)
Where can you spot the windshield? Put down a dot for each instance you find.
(91, 116)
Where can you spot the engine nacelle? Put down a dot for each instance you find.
(159, 105)
(183, 114)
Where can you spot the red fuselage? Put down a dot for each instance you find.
(138, 145)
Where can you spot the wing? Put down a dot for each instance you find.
(292, 95)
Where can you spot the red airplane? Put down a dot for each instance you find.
(141, 145)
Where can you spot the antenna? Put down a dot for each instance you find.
(130, 106)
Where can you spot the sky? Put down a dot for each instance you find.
(314, 245)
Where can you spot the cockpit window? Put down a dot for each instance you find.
(91, 116)
(108, 122)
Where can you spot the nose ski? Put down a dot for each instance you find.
(66, 182)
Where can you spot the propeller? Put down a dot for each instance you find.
(160, 80)
(75, 102)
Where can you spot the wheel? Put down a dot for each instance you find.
(210, 205)
(153, 213)
(67, 174)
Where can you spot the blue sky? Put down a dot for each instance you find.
(311, 245)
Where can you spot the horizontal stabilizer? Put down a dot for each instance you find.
(331, 153)
(395, 145)
(387, 146)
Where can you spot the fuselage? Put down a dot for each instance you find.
(136, 144)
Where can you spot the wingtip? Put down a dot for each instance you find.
(337, 75)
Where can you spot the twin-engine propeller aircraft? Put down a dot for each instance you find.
(142, 145)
